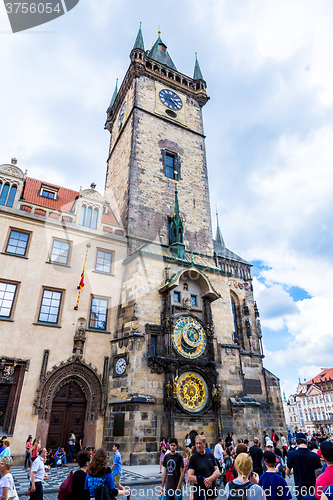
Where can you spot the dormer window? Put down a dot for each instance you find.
(162, 47)
(48, 192)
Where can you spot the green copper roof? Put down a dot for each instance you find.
(113, 98)
(219, 237)
(197, 75)
(159, 53)
(138, 44)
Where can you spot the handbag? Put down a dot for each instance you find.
(102, 492)
(12, 494)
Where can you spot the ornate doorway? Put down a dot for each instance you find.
(67, 413)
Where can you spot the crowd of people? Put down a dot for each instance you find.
(241, 470)
(87, 482)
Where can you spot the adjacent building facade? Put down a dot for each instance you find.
(175, 305)
(315, 399)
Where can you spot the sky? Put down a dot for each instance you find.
(269, 72)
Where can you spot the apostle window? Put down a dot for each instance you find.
(50, 306)
(7, 299)
(17, 243)
(98, 313)
(60, 252)
(176, 297)
(103, 261)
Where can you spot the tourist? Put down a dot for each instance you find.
(241, 485)
(6, 480)
(60, 457)
(6, 450)
(173, 473)
(71, 444)
(229, 465)
(304, 464)
(116, 465)
(187, 441)
(186, 462)
(274, 437)
(274, 486)
(278, 463)
(35, 448)
(326, 477)
(99, 472)
(284, 445)
(229, 440)
(256, 454)
(27, 460)
(79, 478)
(1, 443)
(218, 452)
(164, 446)
(37, 476)
(203, 471)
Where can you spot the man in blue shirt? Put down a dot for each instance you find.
(117, 465)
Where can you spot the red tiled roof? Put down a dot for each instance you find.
(109, 217)
(65, 197)
(324, 374)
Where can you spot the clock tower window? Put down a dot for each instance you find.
(170, 166)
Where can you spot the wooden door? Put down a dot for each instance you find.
(68, 413)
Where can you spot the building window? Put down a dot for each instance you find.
(103, 261)
(89, 217)
(98, 313)
(171, 165)
(176, 297)
(235, 318)
(10, 199)
(153, 345)
(48, 192)
(17, 243)
(60, 252)
(50, 306)
(4, 194)
(193, 300)
(7, 297)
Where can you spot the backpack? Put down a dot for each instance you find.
(66, 487)
(102, 492)
(229, 469)
(238, 491)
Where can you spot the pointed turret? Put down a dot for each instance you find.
(177, 229)
(197, 75)
(159, 53)
(138, 44)
(219, 237)
(114, 96)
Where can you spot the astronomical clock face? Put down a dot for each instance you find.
(192, 392)
(120, 366)
(188, 337)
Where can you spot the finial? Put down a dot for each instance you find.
(92, 185)
(13, 161)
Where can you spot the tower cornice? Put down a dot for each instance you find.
(171, 78)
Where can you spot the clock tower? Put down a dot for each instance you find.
(186, 352)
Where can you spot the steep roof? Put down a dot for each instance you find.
(138, 44)
(65, 197)
(159, 53)
(224, 252)
(325, 374)
(109, 217)
(197, 75)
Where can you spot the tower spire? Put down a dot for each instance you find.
(197, 75)
(177, 229)
(138, 44)
(219, 237)
(115, 93)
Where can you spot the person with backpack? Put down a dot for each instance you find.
(229, 465)
(77, 490)
(275, 487)
(241, 488)
(99, 476)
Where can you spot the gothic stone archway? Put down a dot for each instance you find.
(89, 384)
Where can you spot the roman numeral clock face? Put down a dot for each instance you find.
(170, 99)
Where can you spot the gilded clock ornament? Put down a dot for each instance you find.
(192, 392)
(188, 337)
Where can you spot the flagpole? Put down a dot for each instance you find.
(81, 284)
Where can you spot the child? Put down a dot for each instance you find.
(274, 486)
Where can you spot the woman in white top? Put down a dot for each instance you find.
(6, 481)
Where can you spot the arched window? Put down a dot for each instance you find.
(234, 313)
(83, 215)
(4, 193)
(11, 196)
(88, 218)
(94, 219)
